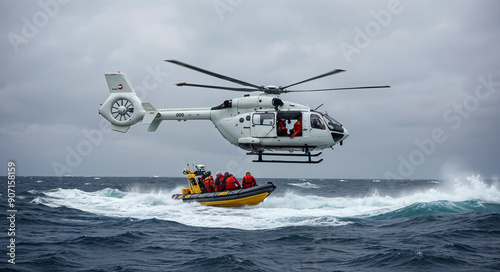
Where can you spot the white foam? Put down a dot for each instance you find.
(290, 209)
(305, 185)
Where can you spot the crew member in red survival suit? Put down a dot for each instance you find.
(248, 181)
(218, 182)
(231, 183)
(297, 128)
(209, 182)
(282, 130)
(222, 182)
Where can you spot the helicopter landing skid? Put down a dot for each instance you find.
(308, 155)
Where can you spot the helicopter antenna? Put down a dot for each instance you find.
(319, 106)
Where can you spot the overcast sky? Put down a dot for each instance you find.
(441, 58)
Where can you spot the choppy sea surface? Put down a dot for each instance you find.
(132, 224)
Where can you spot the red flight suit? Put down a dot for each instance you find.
(297, 128)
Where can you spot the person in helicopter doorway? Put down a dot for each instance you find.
(232, 183)
(209, 182)
(282, 130)
(248, 181)
(297, 128)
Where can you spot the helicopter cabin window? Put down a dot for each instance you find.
(264, 119)
(316, 122)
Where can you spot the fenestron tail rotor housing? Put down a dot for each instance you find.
(122, 109)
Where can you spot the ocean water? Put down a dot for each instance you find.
(132, 224)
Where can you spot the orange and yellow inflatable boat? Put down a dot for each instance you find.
(234, 198)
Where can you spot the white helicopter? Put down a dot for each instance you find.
(256, 123)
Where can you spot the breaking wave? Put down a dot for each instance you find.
(289, 209)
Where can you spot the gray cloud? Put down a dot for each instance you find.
(434, 55)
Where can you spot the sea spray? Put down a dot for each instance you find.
(290, 208)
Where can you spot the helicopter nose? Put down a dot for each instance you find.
(346, 134)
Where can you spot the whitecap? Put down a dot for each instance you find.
(305, 185)
(290, 209)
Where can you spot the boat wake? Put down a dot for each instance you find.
(289, 209)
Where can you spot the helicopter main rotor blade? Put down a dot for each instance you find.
(218, 87)
(316, 77)
(338, 89)
(237, 81)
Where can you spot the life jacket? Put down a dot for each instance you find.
(209, 184)
(231, 183)
(248, 181)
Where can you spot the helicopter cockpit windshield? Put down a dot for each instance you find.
(333, 124)
(226, 104)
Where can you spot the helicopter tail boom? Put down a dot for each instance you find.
(123, 108)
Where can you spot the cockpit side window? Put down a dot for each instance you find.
(316, 122)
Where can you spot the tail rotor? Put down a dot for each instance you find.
(122, 108)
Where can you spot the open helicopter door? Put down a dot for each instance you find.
(263, 125)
